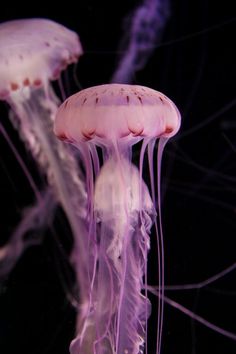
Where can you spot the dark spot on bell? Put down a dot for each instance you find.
(168, 130)
(14, 86)
(62, 137)
(37, 82)
(26, 82)
(140, 99)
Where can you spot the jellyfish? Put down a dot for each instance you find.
(33, 52)
(105, 122)
(145, 30)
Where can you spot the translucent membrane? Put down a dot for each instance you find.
(33, 52)
(120, 209)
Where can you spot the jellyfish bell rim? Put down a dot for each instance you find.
(31, 59)
(101, 104)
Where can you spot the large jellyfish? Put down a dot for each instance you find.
(32, 53)
(104, 123)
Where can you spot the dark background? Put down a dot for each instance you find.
(195, 66)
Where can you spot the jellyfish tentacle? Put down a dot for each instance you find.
(145, 143)
(196, 317)
(35, 218)
(95, 158)
(161, 144)
(202, 283)
(151, 146)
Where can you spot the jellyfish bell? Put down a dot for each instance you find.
(115, 117)
(121, 113)
(33, 52)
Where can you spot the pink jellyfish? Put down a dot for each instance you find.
(104, 123)
(32, 53)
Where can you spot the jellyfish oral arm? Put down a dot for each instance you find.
(124, 236)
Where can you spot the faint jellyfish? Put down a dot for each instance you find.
(32, 53)
(104, 123)
(143, 32)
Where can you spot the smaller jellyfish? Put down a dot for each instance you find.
(33, 52)
(104, 123)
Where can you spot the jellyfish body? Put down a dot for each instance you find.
(115, 117)
(33, 52)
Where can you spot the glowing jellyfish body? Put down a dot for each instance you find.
(114, 118)
(33, 52)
